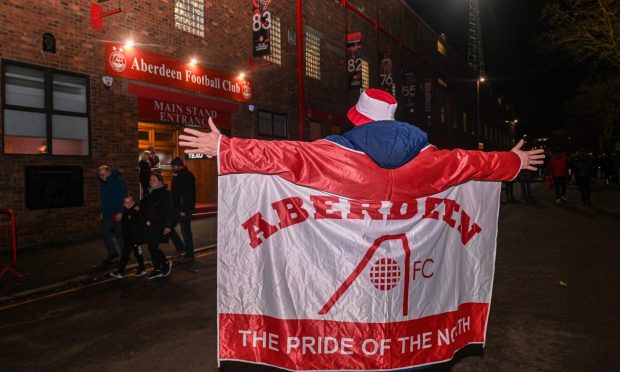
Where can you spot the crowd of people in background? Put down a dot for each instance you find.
(580, 168)
(149, 219)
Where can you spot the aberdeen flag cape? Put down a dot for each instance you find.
(328, 261)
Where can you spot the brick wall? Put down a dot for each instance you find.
(226, 47)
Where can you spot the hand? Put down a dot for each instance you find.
(200, 142)
(167, 230)
(529, 158)
(118, 217)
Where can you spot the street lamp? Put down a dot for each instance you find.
(480, 79)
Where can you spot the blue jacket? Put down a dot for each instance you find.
(112, 193)
(388, 143)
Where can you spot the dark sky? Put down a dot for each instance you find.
(516, 67)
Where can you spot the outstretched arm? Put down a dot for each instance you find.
(529, 158)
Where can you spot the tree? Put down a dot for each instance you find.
(586, 30)
(597, 106)
(588, 33)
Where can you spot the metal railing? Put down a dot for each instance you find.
(8, 236)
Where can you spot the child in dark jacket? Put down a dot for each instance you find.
(133, 234)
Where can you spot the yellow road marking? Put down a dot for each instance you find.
(56, 294)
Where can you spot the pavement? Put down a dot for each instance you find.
(52, 269)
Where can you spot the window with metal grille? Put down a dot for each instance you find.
(316, 130)
(275, 35)
(271, 125)
(189, 16)
(365, 76)
(313, 56)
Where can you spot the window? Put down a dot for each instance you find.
(275, 35)
(335, 129)
(464, 122)
(315, 131)
(313, 55)
(365, 75)
(45, 111)
(271, 124)
(441, 48)
(189, 16)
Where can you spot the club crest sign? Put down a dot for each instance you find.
(117, 60)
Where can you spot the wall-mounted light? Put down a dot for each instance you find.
(129, 44)
(242, 75)
(193, 61)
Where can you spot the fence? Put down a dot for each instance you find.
(8, 243)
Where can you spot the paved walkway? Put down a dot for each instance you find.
(52, 269)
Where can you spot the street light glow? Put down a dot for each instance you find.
(482, 79)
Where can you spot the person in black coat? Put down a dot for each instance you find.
(184, 199)
(144, 166)
(159, 218)
(133, 229)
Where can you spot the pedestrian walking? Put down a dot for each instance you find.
(184, 199)
(558, 165)
(159, 221)
(583, 168)
(525, 179)
(133, 235)
(509, 190)
(112, 191)
(144, 168)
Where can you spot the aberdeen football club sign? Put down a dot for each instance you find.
(309, 280)
(136, 64)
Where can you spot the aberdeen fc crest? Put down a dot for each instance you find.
(117, 60)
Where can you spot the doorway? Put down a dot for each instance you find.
(164, 139)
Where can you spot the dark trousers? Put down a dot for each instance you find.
(109, 229)
(526, 190)
(584, 188)
(158, 257)
(560, 186)
(137, 252)
(187, 245)
(509, 191)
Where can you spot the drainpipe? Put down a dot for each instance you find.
(300, 67)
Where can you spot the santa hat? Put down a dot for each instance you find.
(373, 105)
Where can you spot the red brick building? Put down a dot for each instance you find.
(74, 97)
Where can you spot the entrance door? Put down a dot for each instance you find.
(164, 138)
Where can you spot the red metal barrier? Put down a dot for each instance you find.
(7, 226)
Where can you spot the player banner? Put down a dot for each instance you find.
(309, 280)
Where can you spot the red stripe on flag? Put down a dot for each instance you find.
(305, 344)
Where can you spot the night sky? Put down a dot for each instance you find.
(515, 65)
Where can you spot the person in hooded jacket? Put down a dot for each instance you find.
(401, 151)
(158, 214)
(112, 190)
